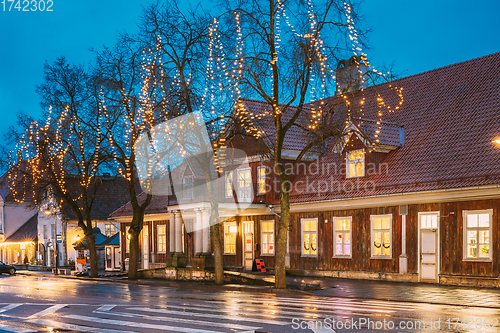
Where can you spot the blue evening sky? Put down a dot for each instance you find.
(416, 35)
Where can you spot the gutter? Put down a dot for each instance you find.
(420, 197)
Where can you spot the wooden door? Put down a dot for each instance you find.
(429, 247)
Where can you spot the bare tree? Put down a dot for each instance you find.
(65, 150)
(182, 41)
(130, 107)
(288, 47)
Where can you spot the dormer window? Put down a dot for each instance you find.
(355, 163)
(187, 187)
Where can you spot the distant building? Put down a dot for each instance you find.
(17, 226)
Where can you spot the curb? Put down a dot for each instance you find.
(406, 301)
(228, 287)
(232, 287)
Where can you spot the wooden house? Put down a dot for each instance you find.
(412, 197)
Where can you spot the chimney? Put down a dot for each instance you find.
(350, 72)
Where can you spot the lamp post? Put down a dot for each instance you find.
(49, 212)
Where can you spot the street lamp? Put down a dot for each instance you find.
(49, 212)
(497, 141)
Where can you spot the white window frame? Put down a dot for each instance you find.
(259, 178)
(335, 231)
(262, 233)
(349, 161)
(309, 232)
(158, 235)
(113, 229)
(228, 181)
(240, 198)
(183, 240)
(187, 192)
(372, 245)
(127, 240)
(231, 224)
(464, 231)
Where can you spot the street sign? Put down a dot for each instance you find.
(59, 238)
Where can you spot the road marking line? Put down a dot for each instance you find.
(323, 305)
(10, 307)
(180, 320)
(209, 315)
(136, 324)
(55, 324)
(314, 310)
(261, 313)
(47, 311)
(10, 328)
(106, 308)
(351, 302)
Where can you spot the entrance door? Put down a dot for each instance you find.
(109, 258)
(248, 245)
(145, 247)
(429, 247)
(116, 256)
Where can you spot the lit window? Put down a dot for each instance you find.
(127, 239)
(381, 226)
(187, 187)
(428, 221)
(342, 237)
(261, 178)
(355, 163)
(477, 231)
(110, 229)
(230, 230)
(182, 237)
(244, 185)
(267, 234)
(229, 184)
(309, 237)
(162, 238)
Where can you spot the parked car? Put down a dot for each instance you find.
(7, 269)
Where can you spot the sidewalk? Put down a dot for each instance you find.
(403, 292)
(330, 287)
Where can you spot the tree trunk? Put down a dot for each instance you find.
(94, 269)
(215, 233)
(218, 259)
(280, 269)
(133, 264)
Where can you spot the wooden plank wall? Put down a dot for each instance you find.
(451, 240)
(452, 236)
(360, 242)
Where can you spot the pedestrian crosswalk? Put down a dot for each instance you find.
(200, 313)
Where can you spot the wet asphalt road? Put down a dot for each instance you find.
(40, 304)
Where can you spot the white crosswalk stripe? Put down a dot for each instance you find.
(47, 311)
(179, 320)
(78, 328)
(196, 314)
(207, 315)
(10, 307)
(15, 329)
(137, 324)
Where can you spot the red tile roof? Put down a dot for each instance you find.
(450, 116)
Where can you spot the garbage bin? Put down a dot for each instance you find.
(126, 264)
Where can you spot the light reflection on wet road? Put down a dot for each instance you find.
(38, 304)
